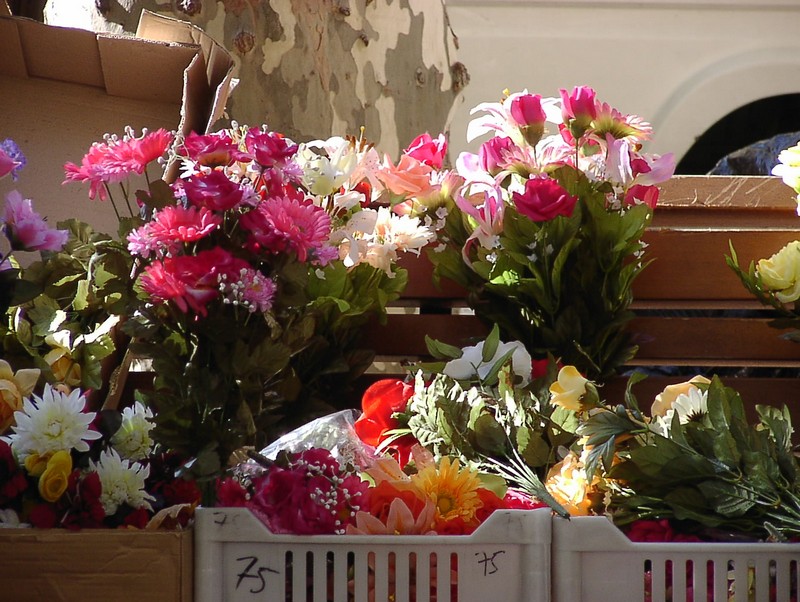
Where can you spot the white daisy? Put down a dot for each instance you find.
(691, 406)
(122, 482)
(53, 422)
(132, 440)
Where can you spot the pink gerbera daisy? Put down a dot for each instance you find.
(170, 228)
(280, 224)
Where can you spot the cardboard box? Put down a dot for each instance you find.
(96, 564)
(61, 89)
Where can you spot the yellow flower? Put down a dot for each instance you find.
(13, 388)
(65, 369)
(566, 481)
(451, 488)
(55, 478)
(568, 389)
(36, 464)
(664, 400)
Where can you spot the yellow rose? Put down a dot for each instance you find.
(36, 464)
(664, 400)
(568, 389)
(567, 483)
(781, 273)
(54, 479)
(13, 388)
(65, 369)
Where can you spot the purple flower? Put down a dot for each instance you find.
(11, 159)
(26, 230)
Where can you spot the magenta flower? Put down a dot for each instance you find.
(26, 230)
(309, 495)
(170, 228)
(284, 224)
(428, 150)
(213, 190)
(96, 170)
(269, 149)
(526, 109)
(499, 153)
(213, 150)
(11, 159)
(544, 199)
(191, 282)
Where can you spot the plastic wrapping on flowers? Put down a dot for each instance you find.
(545, 231)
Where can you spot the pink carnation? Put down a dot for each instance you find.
(26, 230)
(170, 228)
(283, 224)
(310, 495)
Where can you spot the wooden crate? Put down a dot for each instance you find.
(693, 314)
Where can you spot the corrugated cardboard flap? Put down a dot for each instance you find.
(208, 80)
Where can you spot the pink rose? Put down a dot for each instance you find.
(428, 150)
(544, 199)
(579, 104)
(496, 154)
(527, 112)
(656, 531)
(410, 177)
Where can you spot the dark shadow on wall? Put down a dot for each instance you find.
(757, 121)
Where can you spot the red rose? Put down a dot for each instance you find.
(230, 493)
(181, 491)
(544, 199)
(43, 516)
(138, 519)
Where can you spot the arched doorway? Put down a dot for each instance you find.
(755, 121)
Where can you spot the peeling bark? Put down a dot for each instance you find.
(313, 68)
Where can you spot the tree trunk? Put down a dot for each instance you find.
(314, 68)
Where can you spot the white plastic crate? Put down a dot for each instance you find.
(237, 559)
(594, 561)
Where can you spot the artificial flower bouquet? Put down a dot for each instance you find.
(544, 231)
(255, 270)
(59, 312)
(62, 466)
(775, 281)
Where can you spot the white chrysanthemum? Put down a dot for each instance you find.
(53, 422)
(122, 482)
(132, 440)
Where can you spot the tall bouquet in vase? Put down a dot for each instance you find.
(254, 271)
(544, 231)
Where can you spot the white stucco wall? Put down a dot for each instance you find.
(680, 64)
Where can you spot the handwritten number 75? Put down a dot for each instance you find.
(253, 572)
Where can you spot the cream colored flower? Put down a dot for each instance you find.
(132, 440)
(14, 387)
(664, 400)
(567, 482)
(568, 389)
(781, 273)
(789, 167)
